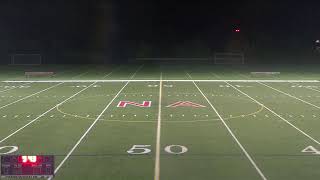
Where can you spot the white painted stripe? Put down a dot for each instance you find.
(168, 80)
(30, 96)
(290, 95)
(92, 125)
(292, 125)
(15, 87)
(43, 114)
(87, 131)
(157, 162)
(232, 134)
(26, 125)
(310, 88)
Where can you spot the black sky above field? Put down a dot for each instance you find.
(156, 19)
(97, 24)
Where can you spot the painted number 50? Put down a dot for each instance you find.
(144, 149)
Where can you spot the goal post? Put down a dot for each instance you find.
(26, 58)
(228, 58)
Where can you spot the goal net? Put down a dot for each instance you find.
(228, 58)
(25, 58)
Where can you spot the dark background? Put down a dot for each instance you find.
(103, 31)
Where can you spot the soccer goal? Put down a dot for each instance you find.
(26, 58)
(228, 58)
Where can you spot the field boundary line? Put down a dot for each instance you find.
(276, 114)
(168, 80)
(157, 162)
(26, 97)
(292, 96)
(253, 163)
(92, 125)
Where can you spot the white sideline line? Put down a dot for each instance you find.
(290, 95)
(301, 131)
(91, 126)
(157, 162)
(169, 80)
(15, 132)
(232, 134)
(26, 97)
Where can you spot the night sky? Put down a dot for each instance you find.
(121, 29)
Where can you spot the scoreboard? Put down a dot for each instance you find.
(27, 166)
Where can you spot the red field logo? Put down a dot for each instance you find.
(186, 104)
(124, 104)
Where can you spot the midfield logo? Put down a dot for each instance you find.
(124, 104)
(186, 104)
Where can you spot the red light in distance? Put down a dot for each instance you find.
(237, 30)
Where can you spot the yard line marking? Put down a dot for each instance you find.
(290, 95)
(309, 88)
(43, 114)
(169, 80)
(30, 95)
(92, 125)
(292, 125)
(57, 105)
(232, 134)
(87, 131)
(15, 87)
(157, 162)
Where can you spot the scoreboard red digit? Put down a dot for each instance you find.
(27, 166)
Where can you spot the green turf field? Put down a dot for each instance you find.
(165, 122)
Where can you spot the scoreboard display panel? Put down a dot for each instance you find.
(27, 166)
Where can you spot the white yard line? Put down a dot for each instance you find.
(157, 162)
(306, 102)
(87, 131)
(26, 125)
(92, 125)
(59, 104)
(308, 87)
(26, 97)
(289, 123)
(170, 80)
(15, 87)
(232, 134)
